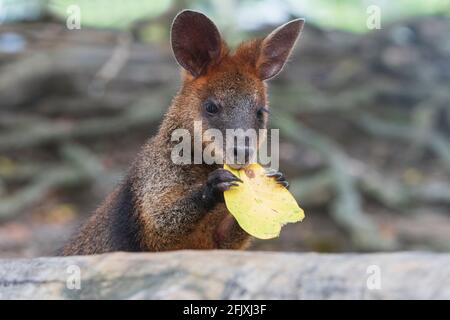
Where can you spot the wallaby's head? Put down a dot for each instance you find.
(226, 89)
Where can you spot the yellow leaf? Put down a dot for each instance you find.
(260, 205)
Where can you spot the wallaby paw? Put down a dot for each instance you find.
(221, 180)
(278, 176)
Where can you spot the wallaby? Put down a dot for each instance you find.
(161, 205)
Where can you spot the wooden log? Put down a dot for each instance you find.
(228, 275)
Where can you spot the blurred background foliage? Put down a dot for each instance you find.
(233, 15)
(363, 115)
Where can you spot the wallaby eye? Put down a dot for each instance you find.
(260, 112)
(211, 107)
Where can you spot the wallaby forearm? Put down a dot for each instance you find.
(171, 222)
(180, 217)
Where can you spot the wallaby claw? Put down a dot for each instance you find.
(278, 176)
(224, 186)
(221, 180)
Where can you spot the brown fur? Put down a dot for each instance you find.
(159, 205)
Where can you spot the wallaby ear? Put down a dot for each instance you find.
(276, 48)
(196, 42)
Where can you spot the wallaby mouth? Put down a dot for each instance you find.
(239, 157)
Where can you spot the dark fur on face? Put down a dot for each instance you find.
(235, 95)
(226, 89)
